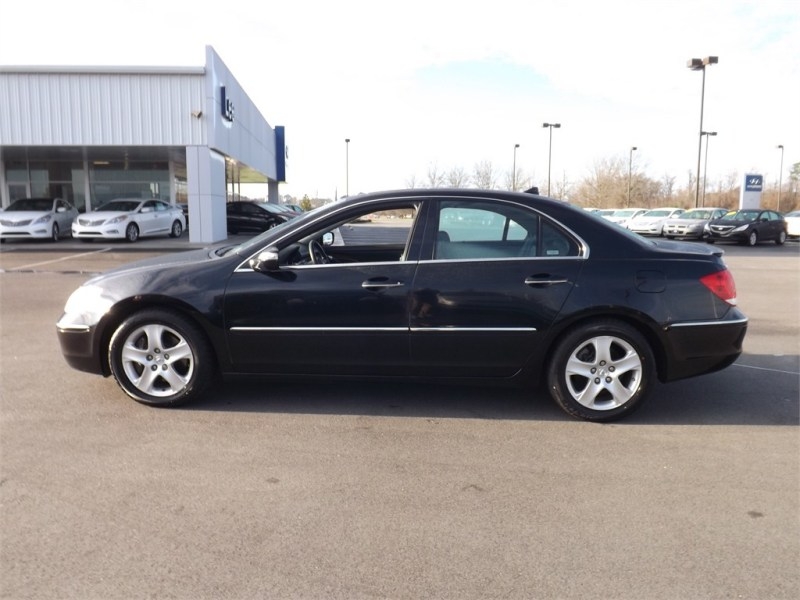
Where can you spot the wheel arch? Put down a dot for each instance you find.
(643, 324)
(129, 306)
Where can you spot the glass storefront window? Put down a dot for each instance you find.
(128, 179)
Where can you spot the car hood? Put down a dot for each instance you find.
(105, 214)
(677, 221)
(158, 263)
(22, 215)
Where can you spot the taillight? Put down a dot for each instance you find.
(722, 285)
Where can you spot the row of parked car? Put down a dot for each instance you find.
(124, 218)
(746, 226)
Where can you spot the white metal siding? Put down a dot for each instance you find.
(95, 109)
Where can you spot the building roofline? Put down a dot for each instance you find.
(102, 70)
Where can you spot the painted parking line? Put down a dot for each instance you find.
(55, 260)
(766, 369)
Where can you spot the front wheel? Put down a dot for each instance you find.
(752, 239)
(55, 233)
(601, 371)
(160, 358)
(132, 232)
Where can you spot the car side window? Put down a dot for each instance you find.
(497, 231)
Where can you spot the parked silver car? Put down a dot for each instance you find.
(690, 224)
(652, 222)
(37, 218)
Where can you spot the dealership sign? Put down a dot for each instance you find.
(750, 196)
(226, 104)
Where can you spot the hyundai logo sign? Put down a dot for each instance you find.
(753, 183)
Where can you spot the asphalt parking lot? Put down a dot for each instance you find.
(368, 490)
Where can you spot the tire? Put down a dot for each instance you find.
(161, 358)
(752, 239)
(781, 239)
(601, 371)
(132, 232)
(55, 234)
(177, 230)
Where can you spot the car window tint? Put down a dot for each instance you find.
(391, 227)
(497, 231)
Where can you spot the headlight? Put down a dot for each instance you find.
(42, 219)
(706, 227)
(84, 308)
(741, 228)
(119, 219)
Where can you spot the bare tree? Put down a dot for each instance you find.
(411, 182)
(435, 178)
(457, 178)
(484, 176)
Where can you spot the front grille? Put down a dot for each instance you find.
(90, 222)
(10, 223)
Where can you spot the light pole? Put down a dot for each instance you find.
(346, 167)
(630, 168)
(780, 178)
(700, 64)
(705, 167)
(514, 170)
(550, 151)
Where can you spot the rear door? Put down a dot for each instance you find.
(496, 277)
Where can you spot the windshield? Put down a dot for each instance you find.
(658, 213)
(697, 214)
(119, 205)
(742, 215)
(247, 246)
(32, 204)
(624, 213)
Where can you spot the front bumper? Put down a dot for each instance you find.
(80, 348)
(25, 233)
(110, 232)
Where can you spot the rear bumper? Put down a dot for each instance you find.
(699, 347)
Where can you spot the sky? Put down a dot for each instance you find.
(442, 84)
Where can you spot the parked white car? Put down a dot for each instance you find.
(652, 222)
(130, 219)
(792, 224)
(624, 215)
(36, 218)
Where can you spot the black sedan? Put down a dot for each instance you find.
(747, 226)
(468, 285)
(248, 216)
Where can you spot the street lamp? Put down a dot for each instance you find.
(780, 178)
(514, 170)
(550, 151)
(700, 64)
(630, 168)
(705, 167)
(346, 167)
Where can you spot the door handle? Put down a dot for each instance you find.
(544, 280)
(381, 283)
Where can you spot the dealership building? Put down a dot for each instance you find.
(187, 135)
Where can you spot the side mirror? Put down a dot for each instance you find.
(61, 209)
(266, 261)
(146, 209)
(328, 238)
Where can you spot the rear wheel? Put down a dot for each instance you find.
(781, 239)
(160, 358)
(601, 371)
